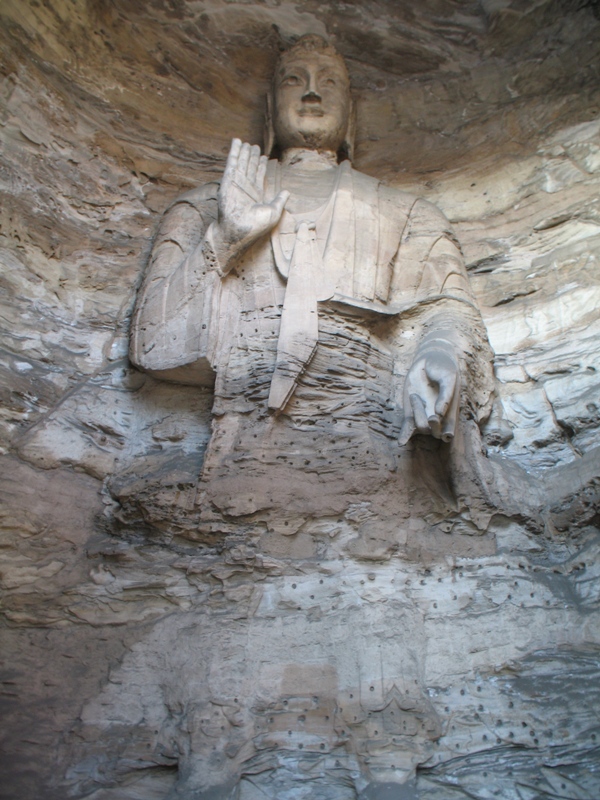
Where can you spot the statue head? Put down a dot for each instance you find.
(310, 104)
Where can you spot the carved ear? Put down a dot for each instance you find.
(269, 133)
(346, 151)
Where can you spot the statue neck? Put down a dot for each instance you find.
(310, 176)
(311, 160)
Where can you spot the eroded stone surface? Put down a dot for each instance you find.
(126, 643)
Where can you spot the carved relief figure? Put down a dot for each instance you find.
(331, 313)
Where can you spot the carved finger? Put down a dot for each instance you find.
(278, 204)
(253, 162)
(408, 425)
(407, 430)
(435, 426)
(261, 172)
(418, 408)
(232, 158)
(243, 158)
(448, 430)
(449, 425)
(447, 387)
(230, 168)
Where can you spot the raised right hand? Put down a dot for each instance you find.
(243, 215)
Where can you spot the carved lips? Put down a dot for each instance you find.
(311, 111)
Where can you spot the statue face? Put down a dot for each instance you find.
(312, 103)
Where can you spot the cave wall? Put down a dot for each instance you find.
(139, 664)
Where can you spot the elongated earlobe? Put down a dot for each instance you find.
(269, 132)
(346, 151)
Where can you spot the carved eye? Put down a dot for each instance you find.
(291, 80)
(329, 81)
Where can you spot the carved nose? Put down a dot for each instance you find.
(312, 97)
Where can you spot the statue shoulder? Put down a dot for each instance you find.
(422, 215)
(396, 202)
(416, 206)
(200, 198)
(187, 217)
(397, 197)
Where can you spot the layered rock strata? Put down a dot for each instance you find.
(143, 659)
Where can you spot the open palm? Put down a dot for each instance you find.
(243, 215)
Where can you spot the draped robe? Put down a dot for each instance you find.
(307, 342)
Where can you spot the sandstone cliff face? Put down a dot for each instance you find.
(143, 660)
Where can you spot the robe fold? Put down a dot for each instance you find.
(320, 322)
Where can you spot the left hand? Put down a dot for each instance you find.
(431, 393)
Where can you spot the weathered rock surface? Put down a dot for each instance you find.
(143, 660)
